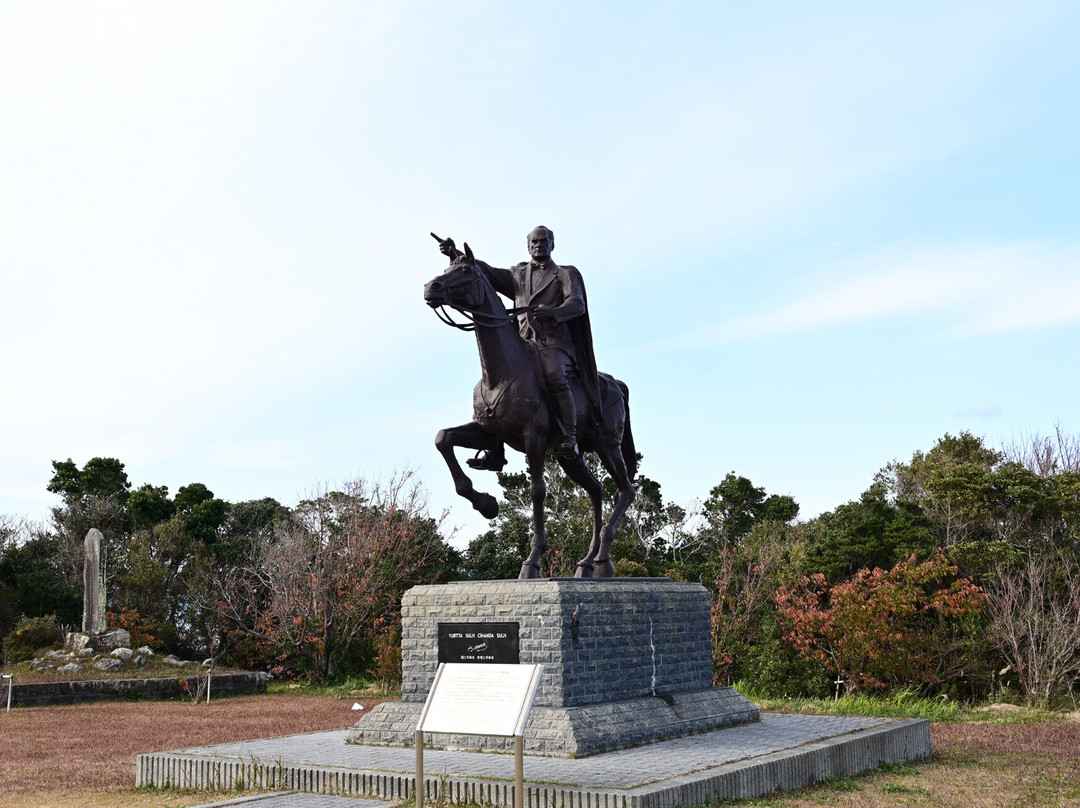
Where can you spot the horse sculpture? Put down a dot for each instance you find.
(510, 405)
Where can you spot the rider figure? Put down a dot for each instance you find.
(556, 325)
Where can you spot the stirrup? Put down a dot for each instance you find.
(566, 448)
(486, 461)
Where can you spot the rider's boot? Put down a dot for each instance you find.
(566, 448)
(490, 460)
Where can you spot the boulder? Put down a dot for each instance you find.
(65, 656)
(77, 641)
(139, 661)
(117, 638)
(71, 667)
(123, 654)
(174, 662)
(145, 650)
(108, 664)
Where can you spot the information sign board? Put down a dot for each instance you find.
(479, 642)
(470, 699)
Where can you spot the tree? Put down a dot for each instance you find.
(872, 532)
(93, 497)
(156, 568)
(498, 553)
(883, 628)
(33, 580)
(733, 507)
(744, 581)
(1034, 610)
(333, 576)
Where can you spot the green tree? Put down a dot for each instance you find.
(733, 508)
(34, 583)
(498, 553)
(872, 532)
(92, 497)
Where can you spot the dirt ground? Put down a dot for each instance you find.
(78, 756)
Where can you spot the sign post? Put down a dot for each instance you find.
(467, 699)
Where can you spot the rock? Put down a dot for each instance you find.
(123, 654)
(139, 661)
(208, 663)
(40, 665)
(71, 667)
(66, 656)
(145, 650)
(77, 641)
(117, 638)
(85, 653)
(176, 663)
(108, 664)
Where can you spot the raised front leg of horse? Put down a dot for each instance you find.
(469, 436)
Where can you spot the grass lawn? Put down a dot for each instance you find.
(77, 756)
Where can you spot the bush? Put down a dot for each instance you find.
(30, 635)
(904, 627)
(142, 631)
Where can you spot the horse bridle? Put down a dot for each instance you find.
(477, 317)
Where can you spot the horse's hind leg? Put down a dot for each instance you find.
(535, 450)
(469, 436)
(577, 471)
(612, 459)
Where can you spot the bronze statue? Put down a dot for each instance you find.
(539, 388)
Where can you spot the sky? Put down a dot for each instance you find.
(816, 237)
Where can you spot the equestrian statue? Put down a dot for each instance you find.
(539, 389)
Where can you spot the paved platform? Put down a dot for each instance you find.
(780, 751)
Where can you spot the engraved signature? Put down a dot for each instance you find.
(474, 648)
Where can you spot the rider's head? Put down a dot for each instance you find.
(540, 241)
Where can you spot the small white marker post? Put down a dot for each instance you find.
(10, 683)
(470, 699)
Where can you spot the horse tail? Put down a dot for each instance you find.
(629, 452)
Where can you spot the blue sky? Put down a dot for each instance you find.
(816, 237)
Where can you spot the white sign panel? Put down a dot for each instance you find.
(480, 699)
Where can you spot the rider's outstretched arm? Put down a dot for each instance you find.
(501, 279)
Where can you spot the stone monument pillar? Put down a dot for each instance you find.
(93, 621)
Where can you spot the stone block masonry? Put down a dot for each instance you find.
(626, 661)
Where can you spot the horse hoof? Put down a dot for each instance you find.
(584, 570)
(487, 505)
(529, 572)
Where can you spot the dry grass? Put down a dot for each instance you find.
(78, 756)
(974, 765)
(82, 755)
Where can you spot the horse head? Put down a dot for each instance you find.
(461, 286)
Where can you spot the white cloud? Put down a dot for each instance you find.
(976, 290)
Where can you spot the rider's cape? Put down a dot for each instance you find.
(581, 334)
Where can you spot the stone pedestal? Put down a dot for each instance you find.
(626, 662)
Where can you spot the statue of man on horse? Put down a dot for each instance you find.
(556, 324)
(539, 389)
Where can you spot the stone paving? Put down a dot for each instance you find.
(790, 749)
